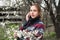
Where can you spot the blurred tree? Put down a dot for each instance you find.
(54, 16)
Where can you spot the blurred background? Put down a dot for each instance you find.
(13, 12)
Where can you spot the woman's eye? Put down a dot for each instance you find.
(33, 10)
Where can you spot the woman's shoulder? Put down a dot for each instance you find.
(39, 24)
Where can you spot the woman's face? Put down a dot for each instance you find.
(34, 11)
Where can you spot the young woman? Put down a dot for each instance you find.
(34, 23)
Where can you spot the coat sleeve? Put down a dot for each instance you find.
(40, 28)
(21, 28)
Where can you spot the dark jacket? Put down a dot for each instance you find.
(34, 24)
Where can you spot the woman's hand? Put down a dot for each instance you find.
(27, 16)
(37, 34)
(15, 34)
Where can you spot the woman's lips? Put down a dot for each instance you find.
(32, 15)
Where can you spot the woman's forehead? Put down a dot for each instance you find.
(33, 7)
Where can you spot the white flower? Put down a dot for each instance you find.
(12, 29)
(10, 37)
(19, 34)
(8, 32)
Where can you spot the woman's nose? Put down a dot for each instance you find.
(31, 12)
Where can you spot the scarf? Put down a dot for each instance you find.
(31, 22)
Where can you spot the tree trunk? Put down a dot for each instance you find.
(56, 20)
(57, 27)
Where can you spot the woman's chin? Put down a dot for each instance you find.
(33, 17)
